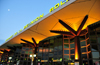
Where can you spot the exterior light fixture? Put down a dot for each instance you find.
(10, 58)
(31, 55)
(34, 55)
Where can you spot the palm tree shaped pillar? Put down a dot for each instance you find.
(76, 35)
(35, 45)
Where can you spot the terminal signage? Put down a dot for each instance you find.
(39, 17)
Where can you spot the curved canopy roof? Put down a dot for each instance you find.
(72, 14)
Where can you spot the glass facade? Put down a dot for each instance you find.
(59, 50)
(50, 51)
(94, 33)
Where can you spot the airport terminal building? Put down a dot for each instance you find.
(68, 35)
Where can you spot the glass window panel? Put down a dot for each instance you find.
(51, 50)
(23, 52)
(66, 41)
(23, 48)
(50, 54)
(98, 40)
(99, 47)
(84, 56)
(55, 57)
(30, 52)
(72, 45)
(96, 62)
(60, 47)
(30, 48)
(83, 49)
(40, 54)
(56, 42)
(98, 29)
(82, 37)
(55, 53)
(51, 45)
(66, 57)
(83, 43)
(94, 48)
(18, 50)
(59, 52)
(95, 54)
(72, 57)
(46, 50)
(43, 50)
(52, 41)
(66, 45)
(55, 48)
(92, 34)
(72, 51)
(98, 33)
(44, 54)
(40, 49)
(26, 52)
(93, 40)
(66, 51)
(71, 40)
(27, 49)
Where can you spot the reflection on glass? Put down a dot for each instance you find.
(83, 43)
(72, 45)
(66, 45)
(51, 50)
(83, 49)
(66, 57)
(66, 51)
(72, 51)
(40, 49)
(95, 54)
(66, 41)
(60, 47)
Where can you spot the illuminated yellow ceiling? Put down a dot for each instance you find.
(72, 14)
